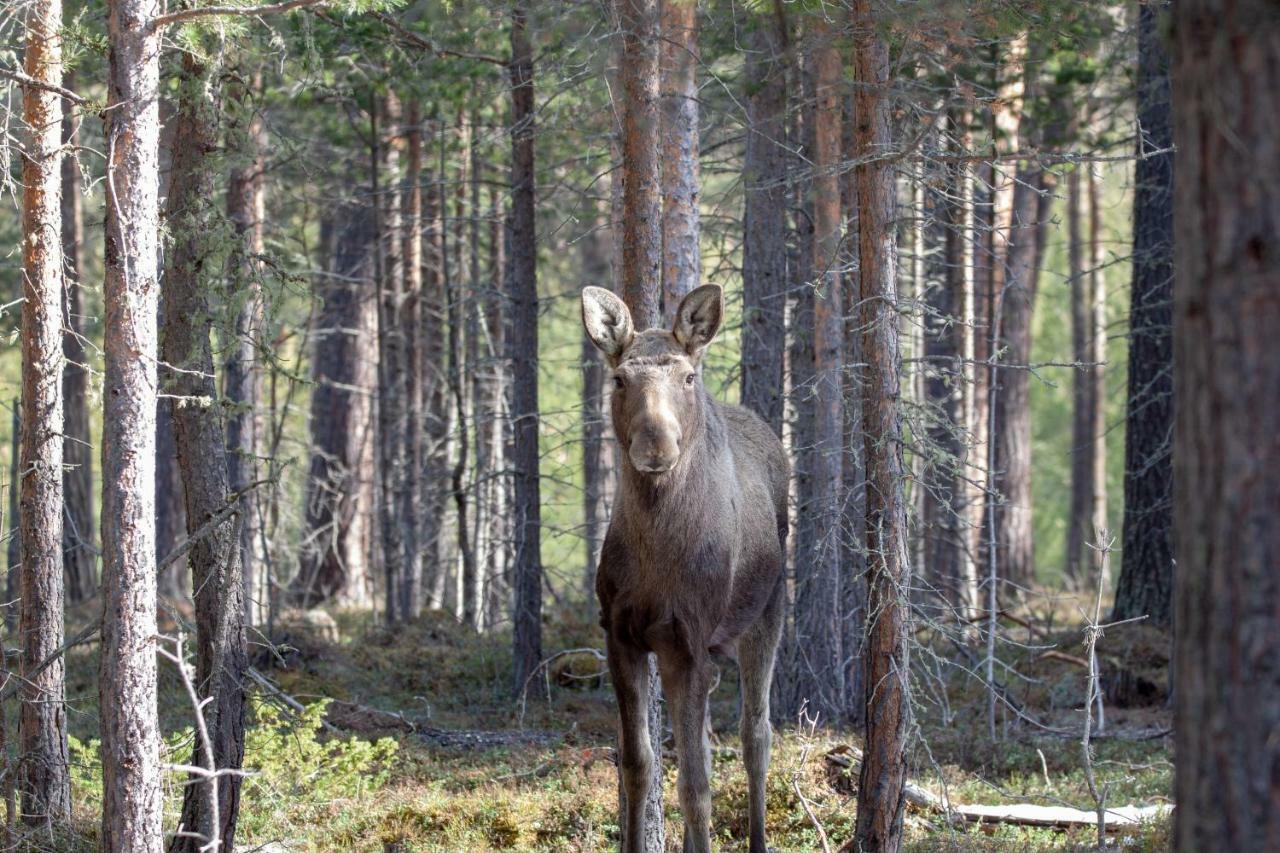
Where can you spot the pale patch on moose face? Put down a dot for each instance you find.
(655, 402)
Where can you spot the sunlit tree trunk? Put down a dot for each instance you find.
(130, 729)
(880, 786)
(597, 450)
(44, 774)
(640, 270)
(681, 181)
(1226, 109)
(1145, 587)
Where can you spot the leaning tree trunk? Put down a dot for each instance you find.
(1145, 587)
(884, 767)
(681, 185)
(1226, 90)
(333, 565)
(77, 446)
(818, 582)
(132, 800)
(640, 234)
(523, 290)
(221, 653)
(44, 773)
(246, 209)
(764, 223)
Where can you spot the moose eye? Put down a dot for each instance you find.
(618, 383)
(689, 380)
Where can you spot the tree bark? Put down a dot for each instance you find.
(415, 414)
(764, 216)
(246, 209)
(492, 421)
(432, 316)
(44, 777)
(78, 549)
(597, 449)
(1146, 580)
(334, 562)
(641, 270)
(1226, 110)
(818, 600)
(523, 294)
(214, 559)
(681, 183)
(883, 774)
(132, 800)
(1080, 533)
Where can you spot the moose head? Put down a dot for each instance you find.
(659, 403)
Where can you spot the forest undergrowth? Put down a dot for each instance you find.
(408, 740)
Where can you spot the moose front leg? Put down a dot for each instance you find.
(686, 684)
(629, 668)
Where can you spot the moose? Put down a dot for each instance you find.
(692, 564)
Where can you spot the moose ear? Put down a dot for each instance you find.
(698, 318)
(607, 321)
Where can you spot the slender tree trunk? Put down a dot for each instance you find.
(681, 182)
(13, 553)
(44, 773)
(334, 561)
(1080, 520)
(433, 311)
(1146, 557)
(880, 787)
(415, 415)
(818, 601)
(493, 419)
(170, 516)
(1097, 328)
(1226, 108)
(523, 290)
(246, 209)
(764, 244)
(221, 653)
(469, 595)
(641, 269)
(132, 800)
(77, 445)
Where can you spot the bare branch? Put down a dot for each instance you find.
(185, 15)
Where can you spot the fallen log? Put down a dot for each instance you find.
(847, 758)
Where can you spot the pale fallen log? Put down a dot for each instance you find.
(1019, 814)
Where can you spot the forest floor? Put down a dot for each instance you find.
(410, 740)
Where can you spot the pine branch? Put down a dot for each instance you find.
(184, 15)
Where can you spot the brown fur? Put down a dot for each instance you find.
(692, 563)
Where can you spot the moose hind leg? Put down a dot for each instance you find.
(629, 669)
(756, 650)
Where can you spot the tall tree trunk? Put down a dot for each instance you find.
(880, 787)
(13, 553)
(1226, 108)
(394, 506)
(641, 270)
(492, 422)
(818, 601)
(1015, 301)
(1146, 557)
(1097, 328)
(415, 415)
(132, 800)
(78, 547)
(523, 290)
(681, 182)
(246, 209)
(44, 771)
(1080, 533)
(221, 654)
(432, 316)
(334, 562)
(764, 244)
